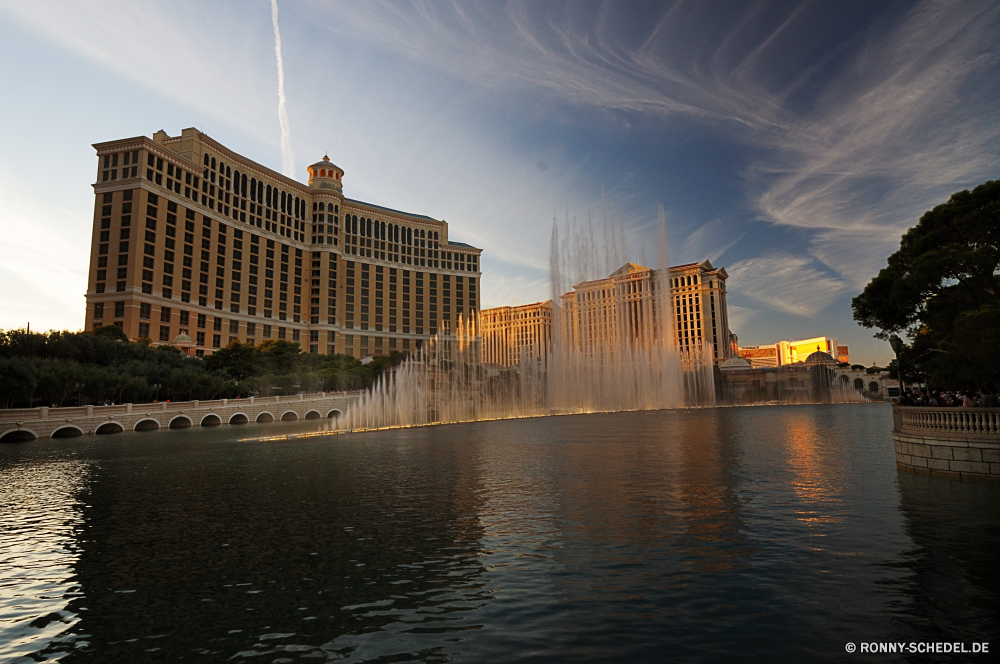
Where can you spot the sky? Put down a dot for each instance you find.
(790, 142)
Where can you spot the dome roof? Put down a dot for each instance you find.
(324, 163)
(735, 364)
(819, 357)
(182, 339)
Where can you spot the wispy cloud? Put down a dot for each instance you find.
(903, 128)
(711, 240)
(784, 283)
(904, 117)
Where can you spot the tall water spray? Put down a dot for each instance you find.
(633, 364)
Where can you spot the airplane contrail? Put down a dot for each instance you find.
(287, 156)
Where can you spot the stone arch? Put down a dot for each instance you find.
(180, 422)
(289, 416)
(18, 436)
(211, 420)
(845, 381)
(313, 415)
(148, 424)
(239, 418)
(264, 417)
(859, 384)
(109, 427)
(67, 431)
(334, 413)
(873, 387)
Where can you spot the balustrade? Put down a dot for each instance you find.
(953, 421)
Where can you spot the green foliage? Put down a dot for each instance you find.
(278, 355)
(942, 289)
(112, 332)
(46, 368)
(237, 360)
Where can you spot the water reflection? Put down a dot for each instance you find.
(40, 511)
(759, 534)
(953, 590)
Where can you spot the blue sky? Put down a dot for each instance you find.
(791, 142)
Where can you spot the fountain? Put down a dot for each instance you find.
(635, 365)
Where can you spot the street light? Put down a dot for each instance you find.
(156, 386)
(79, 389)
(897, 347)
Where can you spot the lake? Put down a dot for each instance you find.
(730, 534)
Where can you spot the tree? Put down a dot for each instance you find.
(279, 356)
(942, 290)
(18, 381)
(111, 332)
(238, 360)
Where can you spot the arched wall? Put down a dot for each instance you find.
(211, 420)
(17, 436)
(66, 431)
(147, 424)
(108, 428)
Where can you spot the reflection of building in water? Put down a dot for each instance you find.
(598, 313)
(790, 352)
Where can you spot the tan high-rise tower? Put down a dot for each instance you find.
(193, 239)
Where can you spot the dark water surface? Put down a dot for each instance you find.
(734, 534)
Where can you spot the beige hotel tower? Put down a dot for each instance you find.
(193, 240)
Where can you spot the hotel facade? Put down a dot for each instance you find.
(791, 352)
(191, 239)
(600, 312)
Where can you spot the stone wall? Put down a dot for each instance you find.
(25, 424)
(962, 442)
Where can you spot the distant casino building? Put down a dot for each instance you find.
(194, 240)
(789, 352)
(511, 334)
(597, 312)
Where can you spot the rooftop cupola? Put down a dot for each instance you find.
(325, 174)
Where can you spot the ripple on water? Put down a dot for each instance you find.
(702, 535)
(41, 512)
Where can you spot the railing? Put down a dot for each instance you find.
(72, 412)
(947, 421)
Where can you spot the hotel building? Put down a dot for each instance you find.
(791, 352)
(191, 238)
(508, 333)
(596, 313)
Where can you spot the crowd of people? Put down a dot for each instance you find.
(961, 399)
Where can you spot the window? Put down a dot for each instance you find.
(120, 309)
(143, 330)
(164, 333)
(144, 310)
(99, 310)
